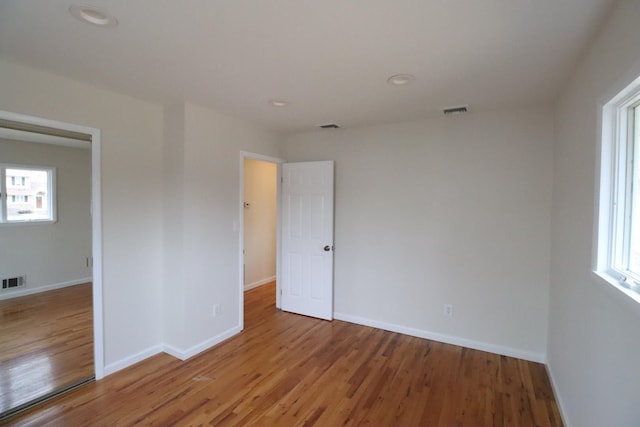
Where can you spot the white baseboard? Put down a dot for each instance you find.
(448, 339)
(21, 292)
(259, 283)
(198, 348)
(563, 413)
(132, 360)
(170, 350)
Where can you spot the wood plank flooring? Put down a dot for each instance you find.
(290, 370)
(46, 343)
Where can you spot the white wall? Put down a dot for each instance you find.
(260, 222)
(594, 341)
(211, 200)
(131, 136)
(449, 210)
(186, 235)
(173, 305)
(50, 254)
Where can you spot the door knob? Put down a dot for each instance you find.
(327, 248)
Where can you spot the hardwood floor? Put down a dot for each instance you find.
(291, 370)
(46, 343)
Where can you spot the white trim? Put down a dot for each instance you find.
(558, 397)
(259, 283)
(123, 363)
(241, 288)
(626, 298)
(96, 209)
(611, 192)
(605, 277)
(96, 233)
(447, 339)
(114, 367)
(199, 348)
(21, 292)
(261, 157)
(278, 236)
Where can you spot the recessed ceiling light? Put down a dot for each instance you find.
(94, 16)
(401, 79)
(278, 103)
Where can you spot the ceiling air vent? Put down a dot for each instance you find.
(329, 126)
(460, 109)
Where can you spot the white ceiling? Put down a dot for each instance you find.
(329, 58)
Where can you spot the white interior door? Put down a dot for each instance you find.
(307, 238)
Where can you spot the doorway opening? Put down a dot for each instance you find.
(69, 293)
(304, 238)
(259, 225)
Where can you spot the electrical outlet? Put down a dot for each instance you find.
(216, 310)
(448, 310)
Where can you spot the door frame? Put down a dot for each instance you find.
(96, 225)
(278, 161)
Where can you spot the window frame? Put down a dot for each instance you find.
(51, 188)
(613, 226)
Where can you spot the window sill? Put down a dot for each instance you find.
(22, 223)
(622, 291)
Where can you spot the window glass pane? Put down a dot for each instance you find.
(28, 195)
(634, 238)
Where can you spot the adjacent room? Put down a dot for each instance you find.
(320, 213)
(46, 297)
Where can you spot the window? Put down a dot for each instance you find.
(27, 194)
(17, 181)
(618, 250)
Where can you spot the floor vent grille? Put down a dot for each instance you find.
(14, 282)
